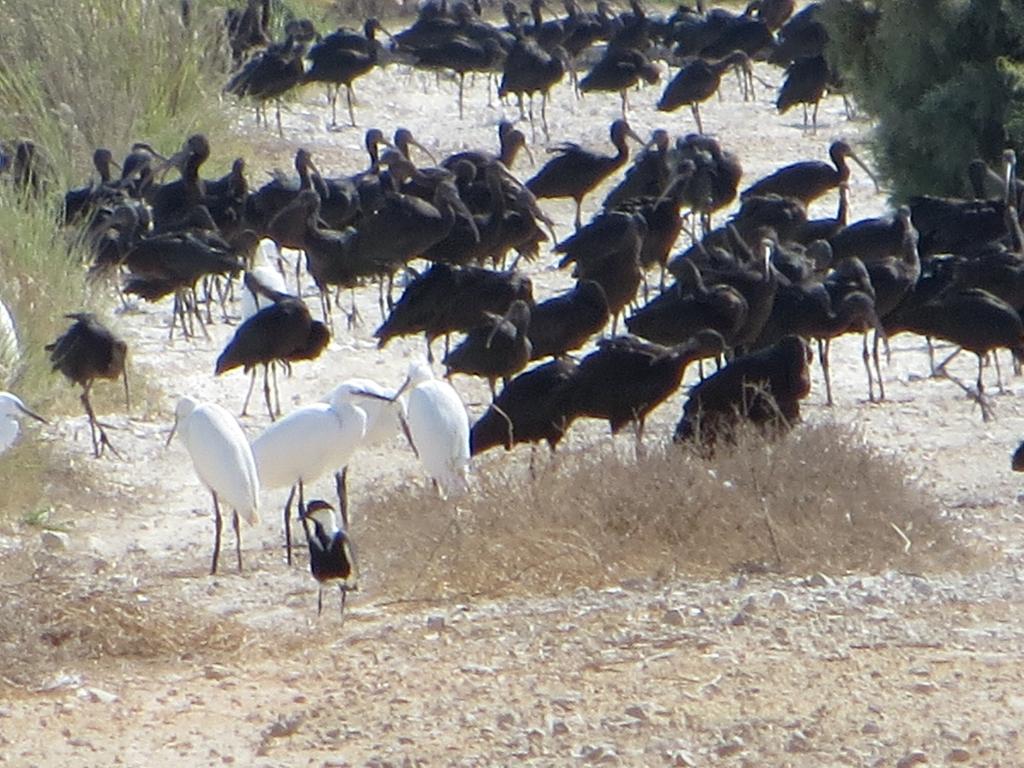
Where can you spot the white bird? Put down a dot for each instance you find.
(223, 460)
(384, 409)
(304, 445)
(11, 408)
(438, 428)
(266, 275)
(10, 349)
(331, 556)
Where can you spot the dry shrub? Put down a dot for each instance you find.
(817, 500)
(52, 624)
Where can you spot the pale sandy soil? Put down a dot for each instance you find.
(893, 668)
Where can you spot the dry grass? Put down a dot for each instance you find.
(818, 500)
(52, 624)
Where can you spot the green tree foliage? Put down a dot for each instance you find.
(943, 78)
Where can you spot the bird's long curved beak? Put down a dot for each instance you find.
(174, 429)
(866, 170)
(28, 412)
(401, 389)
(635, 137)
(423, 149)
(529, 154)
(116, 164)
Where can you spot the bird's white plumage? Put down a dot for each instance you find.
(11, 408)
(383, 417)
(268, 277)
(10, 349)
(439, 426)
(327, 518)
(307, 443)
(221, 455)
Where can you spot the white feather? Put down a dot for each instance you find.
(307, 443)
(221, 455)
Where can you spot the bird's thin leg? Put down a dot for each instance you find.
(238, 538)
(351, 111)
(814, 119)
(806, 116)
(341, 488)
(999, 373)
(277, 391)
(199, 314)
(288, 523)
(354, 318)
(127, 393)
(266, 390)
(319, 599)
(174, 319)
(277, 109)
(544, 114)
(878, 369)
(217, 524)
(324, 311)
(344, 599)
(579, 214)
(302, 514)
(867, 367)
(430, 352)
(462, 80)
(96, 428)
(248, 394)
(695, 108)
(823, 357)
(625, 104)
(942, 366)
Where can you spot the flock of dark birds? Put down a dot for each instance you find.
(753, 293)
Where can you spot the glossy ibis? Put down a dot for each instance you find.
(566, 322)
(809, 180)
(575, 171)
(626, 378)
(499, 348)
(528, 409)
(697, 82)
(87, 351)
(282, 332)
(764, 387)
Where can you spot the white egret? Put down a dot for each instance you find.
(223, 460)
(11, 408)
(304, 445)
(331, 557)
(438, 428)
(10, 349)
(384, 409)
(266, 275)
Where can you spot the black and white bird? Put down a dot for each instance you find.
(331, 557)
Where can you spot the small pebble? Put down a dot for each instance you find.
(914, 758)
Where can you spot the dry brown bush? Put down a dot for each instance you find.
(817, 500)
(49, 624)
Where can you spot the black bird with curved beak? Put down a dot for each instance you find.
(340, 58)
(808, 180)
(87, 351)
(331, 556)
(575, 171)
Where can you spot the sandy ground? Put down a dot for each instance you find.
(893, 668)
